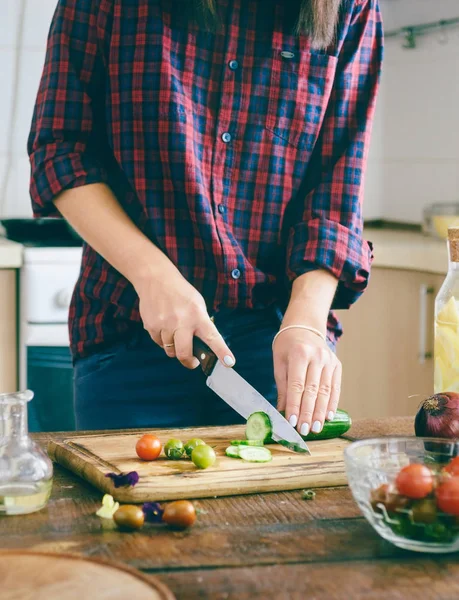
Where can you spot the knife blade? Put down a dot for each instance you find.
(244, 398)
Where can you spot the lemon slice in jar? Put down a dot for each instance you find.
(438, 375)
(447, 345)
(449, 315)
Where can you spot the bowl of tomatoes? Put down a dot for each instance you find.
(408, 490)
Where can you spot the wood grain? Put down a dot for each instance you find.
(46, 576)
(8, 332)
(93, 456)
(413, 577)
(257, 547)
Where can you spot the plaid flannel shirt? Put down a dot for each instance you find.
(240, 153)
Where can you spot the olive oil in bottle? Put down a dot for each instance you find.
(26, 472)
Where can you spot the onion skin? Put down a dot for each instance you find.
(438, 416)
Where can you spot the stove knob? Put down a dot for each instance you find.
(62, 299)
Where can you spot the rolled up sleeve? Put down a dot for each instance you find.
(66, 141)
(328, 235)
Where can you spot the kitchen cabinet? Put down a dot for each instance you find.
(8, 331)
(387, 346)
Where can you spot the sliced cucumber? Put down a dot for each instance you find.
(255, 454)
(232, 452)
(259, 427)
(247, 443)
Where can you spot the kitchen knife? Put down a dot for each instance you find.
(243, 398)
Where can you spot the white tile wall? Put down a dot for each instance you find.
(9, 11)
(3, 164)
(17, 201)
(29, 80)
(38, 17)
(414, 159)
(6, 100)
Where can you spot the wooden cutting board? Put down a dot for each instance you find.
(93, 456)
(46, 576)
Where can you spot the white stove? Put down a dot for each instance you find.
(47, 280)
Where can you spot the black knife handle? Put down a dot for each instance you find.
(204, 354)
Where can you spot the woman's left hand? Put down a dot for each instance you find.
(308, 378)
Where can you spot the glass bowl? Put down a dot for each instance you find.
(416, 525)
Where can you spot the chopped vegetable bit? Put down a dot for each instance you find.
(232, 452)
(124, 479)
(308, 494)
(153, 512)
(108, 508)
(255, 454)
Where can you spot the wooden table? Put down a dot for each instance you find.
(248, 547)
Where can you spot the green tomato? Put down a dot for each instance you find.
(203, 456)
(174, 449)
(191, 445)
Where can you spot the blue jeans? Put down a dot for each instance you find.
(134, 384)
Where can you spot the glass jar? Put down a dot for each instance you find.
(446, 378)
(438, 218)
(26, 472)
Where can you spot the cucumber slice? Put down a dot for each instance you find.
(259, 427)
(255, 454)
(232, 452)
(247, 443)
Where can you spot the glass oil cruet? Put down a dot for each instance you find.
(26, 472)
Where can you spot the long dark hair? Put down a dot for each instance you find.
(316, 18)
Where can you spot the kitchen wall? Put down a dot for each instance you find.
(414, 159)
(22, 55)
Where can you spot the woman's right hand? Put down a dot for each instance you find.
(173, 314)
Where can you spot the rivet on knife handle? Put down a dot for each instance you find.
(205, 356)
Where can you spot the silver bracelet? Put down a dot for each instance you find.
(305, 327)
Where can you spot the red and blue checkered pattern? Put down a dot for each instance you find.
(240, 152)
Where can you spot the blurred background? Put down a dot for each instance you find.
(412, 194)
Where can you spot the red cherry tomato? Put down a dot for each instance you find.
(415, 481)
(148, 447)
(453, 467)
(448, 496)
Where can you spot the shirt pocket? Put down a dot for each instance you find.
(301, 84)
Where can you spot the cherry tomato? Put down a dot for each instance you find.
(148, 447)
(415, 481)
(180, 514)
(203, 457)
(453, 467)
(129, 517)
(448, 496)
(191, 445)
(174, 449)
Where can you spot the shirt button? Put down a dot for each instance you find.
(235, 273)
(226, 137)
(233, 65)
(221, 209)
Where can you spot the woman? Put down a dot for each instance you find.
(211, 155)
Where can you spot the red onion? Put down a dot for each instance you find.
(438, 416)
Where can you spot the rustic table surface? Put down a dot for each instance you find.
(248, 547)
